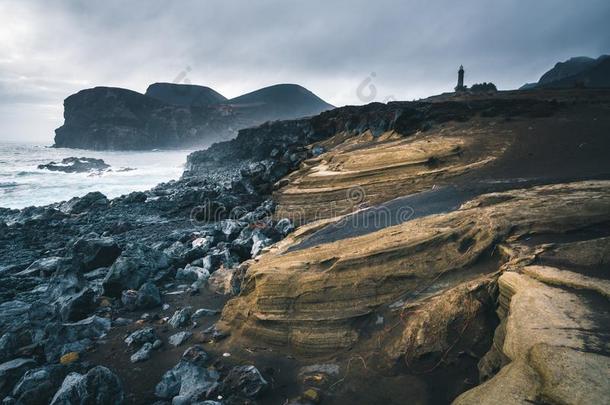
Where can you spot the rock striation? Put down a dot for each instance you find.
(552, 343)
(308, 300)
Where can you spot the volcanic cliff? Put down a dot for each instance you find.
(174, 115)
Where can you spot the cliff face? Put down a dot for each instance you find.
(113, 118)
(171, 115)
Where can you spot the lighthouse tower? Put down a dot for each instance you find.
(460, 84)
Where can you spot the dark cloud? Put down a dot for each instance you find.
(407, 49)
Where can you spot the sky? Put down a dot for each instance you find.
(347, 52)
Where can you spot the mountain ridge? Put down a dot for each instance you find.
(579, 71)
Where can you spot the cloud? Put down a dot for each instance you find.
(409, 49)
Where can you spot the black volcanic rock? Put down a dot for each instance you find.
(76, 165)
(278, 102)
(184, 94)
(580, 71)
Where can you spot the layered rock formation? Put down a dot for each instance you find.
(308, 300)
(553, 339)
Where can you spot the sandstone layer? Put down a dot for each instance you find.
(554, 337)
(312, 301)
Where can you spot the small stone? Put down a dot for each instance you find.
(68, 358)
(148, 296)
(246, 380)
(214, 334)
(129, 299)
(195, 354)
(312, 395)
(141, 336)
(180, 317)
(179, 338)
(201, 312)
(105, 302)
(122, 321)
(143, 354)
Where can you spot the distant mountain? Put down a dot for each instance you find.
(281, 101)
(184, 94)
(174, 115)
(580, 71)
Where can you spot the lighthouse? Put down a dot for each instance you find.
(460, 84)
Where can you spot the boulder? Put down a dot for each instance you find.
(135, 197)
(181, 317)
(284, 226)
(95, 252)
(220, 282)
(136, 265)
(142, 354)
(148, 296)
(244, 380)
(259, 242)
(141, 336)
(188, 381)
(63, 338)
(8, 346)
(37, 386)
(179, 338)
(76, 306)
(11, 372)
(231, 228)
(98, 386)
(128, 299)
(201, 312)
(76, 165)
(78, 205)
(13, 312)
(192, 273)
(42, 267)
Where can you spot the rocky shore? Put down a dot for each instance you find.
(252, 279)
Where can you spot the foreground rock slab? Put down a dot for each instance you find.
(306, 300)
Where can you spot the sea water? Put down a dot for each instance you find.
(22, 184)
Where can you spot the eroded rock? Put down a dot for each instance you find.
(98, 386)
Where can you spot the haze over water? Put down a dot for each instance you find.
(22, 184)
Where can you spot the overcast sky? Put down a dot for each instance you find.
(405, 49)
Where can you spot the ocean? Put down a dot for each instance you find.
(22, 184)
